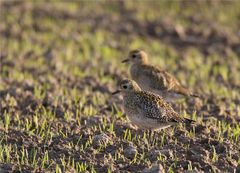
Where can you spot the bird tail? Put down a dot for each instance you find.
(195, 95)
(188, 121)
(181, 90)
(184, 91)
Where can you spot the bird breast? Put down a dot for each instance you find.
(130, 106)
(134, 72)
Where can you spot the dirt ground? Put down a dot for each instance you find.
(60, 62)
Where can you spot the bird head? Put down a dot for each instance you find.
(137, 57)
(127, 86)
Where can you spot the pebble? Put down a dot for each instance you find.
(158, 168)
(130, 152)
(100, 139)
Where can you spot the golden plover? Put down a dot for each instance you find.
(146, 109)
(153, 79)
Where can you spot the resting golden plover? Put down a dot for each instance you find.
(153, 79)
(146, 109)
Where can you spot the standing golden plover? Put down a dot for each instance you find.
(146, 109)
(153, 79)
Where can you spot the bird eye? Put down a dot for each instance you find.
(124, 87)
(134, 56)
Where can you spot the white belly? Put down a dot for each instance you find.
(168, 96)
(144, 83)
(147, 123)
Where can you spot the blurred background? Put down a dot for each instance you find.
(60, 62)
(197, 41)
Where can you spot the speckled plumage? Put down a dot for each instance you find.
(147, 110)
(153, 79)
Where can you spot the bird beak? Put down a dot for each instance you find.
(116, 92)
(125, 60)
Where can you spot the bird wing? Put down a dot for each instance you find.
(164, 81)
(161, 79)
(153, 106)
(173, 116)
